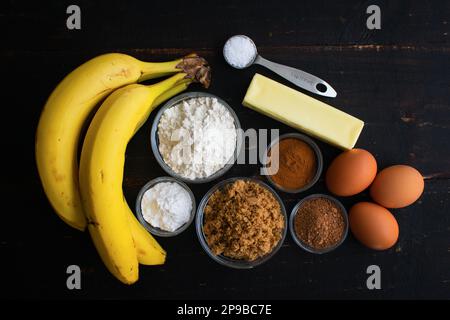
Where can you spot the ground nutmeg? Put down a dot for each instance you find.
(319, 223)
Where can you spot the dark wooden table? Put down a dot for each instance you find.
(396, 79)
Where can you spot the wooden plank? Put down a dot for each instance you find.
(402, 94)
(396, 80)
(200, 24)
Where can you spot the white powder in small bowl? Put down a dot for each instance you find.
(239, 51)
(166, 206)
(197, 137)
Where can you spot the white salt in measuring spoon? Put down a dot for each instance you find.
(249, 55)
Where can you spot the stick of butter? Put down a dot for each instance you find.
(302, 112)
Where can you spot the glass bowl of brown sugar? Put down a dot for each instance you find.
(319, 223)
(293, 163)
(241, 222)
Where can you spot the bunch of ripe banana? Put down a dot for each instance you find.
(92, 194)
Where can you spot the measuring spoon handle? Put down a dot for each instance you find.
(298, 77)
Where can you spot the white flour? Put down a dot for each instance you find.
(197, 137)
(167, 206)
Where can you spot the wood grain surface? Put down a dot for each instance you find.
(396, 79)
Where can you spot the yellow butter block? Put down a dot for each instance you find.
(303, 112)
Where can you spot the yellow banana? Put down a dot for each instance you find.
(149, 252)
(65, 113)
(102, 164)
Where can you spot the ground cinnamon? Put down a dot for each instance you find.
(297, 164)
(319, 223)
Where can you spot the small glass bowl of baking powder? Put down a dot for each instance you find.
(158, 231)
(155, 139)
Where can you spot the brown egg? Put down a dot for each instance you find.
(351, 172)
(397, 186)
(373, 225)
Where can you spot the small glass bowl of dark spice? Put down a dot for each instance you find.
(293, 163)
(319, 223)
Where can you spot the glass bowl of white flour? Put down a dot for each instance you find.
(165, 206)
(195, 137)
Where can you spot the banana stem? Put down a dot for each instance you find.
(171, 92)
(163, 89)
(168, 83)
(191, 66)
(151, 70)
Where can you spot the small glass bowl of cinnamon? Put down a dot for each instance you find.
(293, 163)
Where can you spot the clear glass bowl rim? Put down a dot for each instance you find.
(316, 150)
(154, 139)
(157, 231)
(303, 245)
(234, 263)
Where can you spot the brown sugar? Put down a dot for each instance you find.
(297, 164)
(319, 223)
(243, 221)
